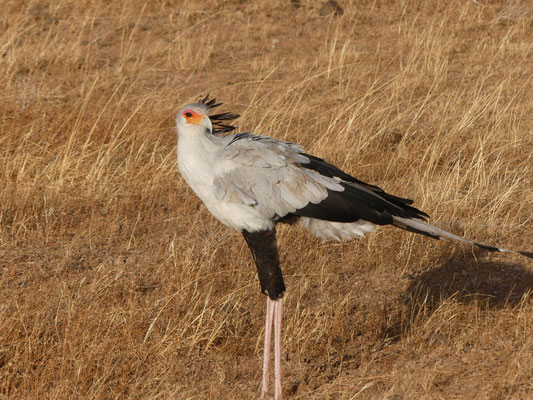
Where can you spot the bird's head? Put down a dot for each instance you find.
(196, 114)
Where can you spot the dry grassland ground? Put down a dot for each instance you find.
(116, 283)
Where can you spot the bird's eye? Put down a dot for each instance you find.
(188, 114)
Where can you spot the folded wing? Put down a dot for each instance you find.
(280, 180)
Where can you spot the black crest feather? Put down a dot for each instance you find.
(219, 120)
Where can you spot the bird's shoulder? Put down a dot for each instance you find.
(260, 151)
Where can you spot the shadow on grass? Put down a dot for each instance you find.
(489, 284)
(496, 283)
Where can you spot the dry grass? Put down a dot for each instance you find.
(115, 281)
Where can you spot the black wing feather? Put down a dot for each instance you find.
(359, 200)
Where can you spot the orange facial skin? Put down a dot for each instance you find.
(192, 117)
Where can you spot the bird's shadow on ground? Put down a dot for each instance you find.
(469, 280)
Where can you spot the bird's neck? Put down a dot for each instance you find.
(196, 155)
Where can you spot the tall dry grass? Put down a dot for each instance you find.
(117, 283)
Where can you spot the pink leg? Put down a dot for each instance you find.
(266, 348)
(277, 348)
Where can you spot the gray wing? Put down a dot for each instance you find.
(267, 174)
(279, 178)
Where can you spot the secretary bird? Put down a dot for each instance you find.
(252, 182)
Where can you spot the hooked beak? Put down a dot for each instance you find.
(204, 121)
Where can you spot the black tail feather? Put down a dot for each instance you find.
(527, 253)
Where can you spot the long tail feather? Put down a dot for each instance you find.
(413, 225)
